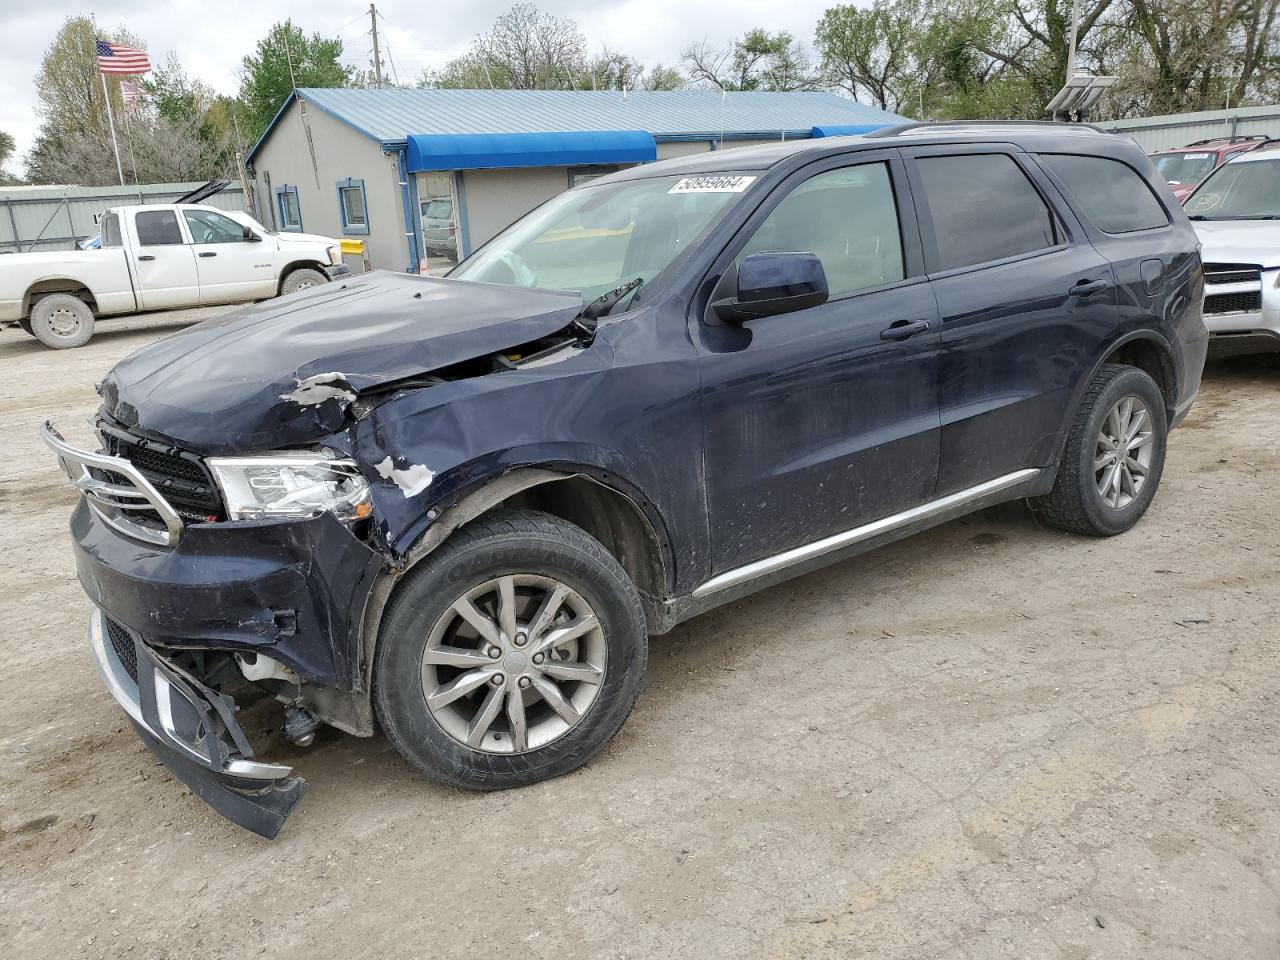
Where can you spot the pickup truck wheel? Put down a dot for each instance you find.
(304, 278)
(61, 321)
(510, 655)
(1114, 456)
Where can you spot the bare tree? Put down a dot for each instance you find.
(758, 60)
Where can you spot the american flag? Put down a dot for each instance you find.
(113, 58)
(131, 95)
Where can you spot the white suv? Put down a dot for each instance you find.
(1236, 212)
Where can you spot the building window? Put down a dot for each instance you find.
(290, 211)
(581, 175)
(351, 205)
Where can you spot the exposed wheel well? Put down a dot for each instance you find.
(57, 285)
(1152, 359)
(611, 518)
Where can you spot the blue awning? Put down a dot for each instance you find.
(845, 130)
(488, 151)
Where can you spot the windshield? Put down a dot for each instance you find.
(596, 238)
(1244, 190)
(1179, 168)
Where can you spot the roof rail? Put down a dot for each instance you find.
(928, 124)
(1243, 138)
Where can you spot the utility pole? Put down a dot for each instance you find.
(1071, 49)
(377, 57)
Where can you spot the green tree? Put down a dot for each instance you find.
(283, 59)
(758, 60)
(6, 147)
(873, 53)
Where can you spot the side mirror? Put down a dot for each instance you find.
(770, 284)
(250, 236)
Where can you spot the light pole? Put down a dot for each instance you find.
(1071, 48)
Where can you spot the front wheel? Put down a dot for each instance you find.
(1114, 456)
(512, 654)
(304, 278)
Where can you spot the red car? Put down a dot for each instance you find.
(1183, 168)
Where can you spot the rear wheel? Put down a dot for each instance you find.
(304, 278)
(61, 321)
(511, 655)
(1114, 456)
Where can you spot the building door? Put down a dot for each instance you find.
(438, 213)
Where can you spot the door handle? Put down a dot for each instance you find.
(901, 329)
(146, 256)
(1086, 287)
(207, 253)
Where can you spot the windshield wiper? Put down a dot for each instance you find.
(602, 304)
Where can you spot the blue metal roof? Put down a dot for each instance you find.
(845, 129)
(487, 151)
(392, 116)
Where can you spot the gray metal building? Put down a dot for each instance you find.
(426, 176)
(1178, 130)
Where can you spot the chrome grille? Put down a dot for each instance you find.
(1232, 273)
(118, 492)
(1248, 302)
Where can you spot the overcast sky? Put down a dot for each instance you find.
(211, 37)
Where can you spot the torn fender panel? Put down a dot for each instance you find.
(625, 411)
(282, 373)
(293, 590)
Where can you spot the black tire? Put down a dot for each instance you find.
(61, 321)
(302, 279)
(1075, 503)
(500, 544)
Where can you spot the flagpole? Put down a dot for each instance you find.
(111, 122)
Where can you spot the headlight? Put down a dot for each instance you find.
(335, 256)
(292, 486)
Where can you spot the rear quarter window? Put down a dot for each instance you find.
(1113, 195)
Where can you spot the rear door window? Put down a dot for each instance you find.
(1111, 193)
(983, 208)
(157, 228)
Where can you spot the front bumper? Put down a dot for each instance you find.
(192, 730)
(337, 270)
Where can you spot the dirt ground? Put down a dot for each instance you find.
(991, 740)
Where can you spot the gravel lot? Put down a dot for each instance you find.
(992, 740)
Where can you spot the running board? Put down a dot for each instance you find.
(811, 551)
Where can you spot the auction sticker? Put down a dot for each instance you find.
(712, 184)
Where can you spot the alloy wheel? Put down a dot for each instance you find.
(1122, 455)
(513, 664)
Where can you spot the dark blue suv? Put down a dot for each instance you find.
(456, 508)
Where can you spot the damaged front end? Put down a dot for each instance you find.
(192, 730)
(186, 610)
(241, 523)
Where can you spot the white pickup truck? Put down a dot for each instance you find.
(158, 257)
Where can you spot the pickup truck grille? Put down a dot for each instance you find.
(1249, 302)
(1232, 273)
(178, 475)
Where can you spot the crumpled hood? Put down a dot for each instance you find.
(1239, 241)
(283, 372)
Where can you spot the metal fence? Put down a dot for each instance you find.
(1178, 130)
(58, 218)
